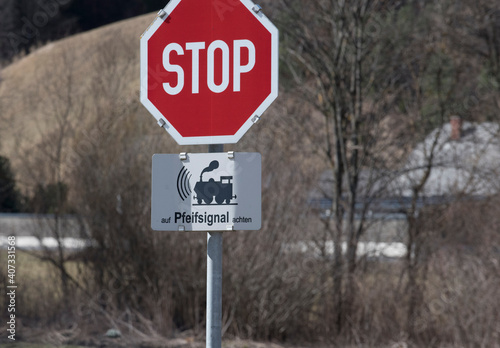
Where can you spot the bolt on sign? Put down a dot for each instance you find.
(206, 192)
(209, 69)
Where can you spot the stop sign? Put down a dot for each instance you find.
(209, 69)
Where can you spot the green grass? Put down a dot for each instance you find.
(39, 286)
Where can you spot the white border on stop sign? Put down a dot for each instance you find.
(224, 139)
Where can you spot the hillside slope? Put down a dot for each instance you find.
(50, 98)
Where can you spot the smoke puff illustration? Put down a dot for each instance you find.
(212, 166)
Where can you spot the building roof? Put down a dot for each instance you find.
(469, 165)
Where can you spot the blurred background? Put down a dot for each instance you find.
(380, 158)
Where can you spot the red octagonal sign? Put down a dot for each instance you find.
(209, 69)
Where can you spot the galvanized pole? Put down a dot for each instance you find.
(214, 281)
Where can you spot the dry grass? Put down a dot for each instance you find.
(39, 290)
(30, 86)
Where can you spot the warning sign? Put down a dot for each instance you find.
(206, 192)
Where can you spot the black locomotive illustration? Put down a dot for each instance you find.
(207, 191)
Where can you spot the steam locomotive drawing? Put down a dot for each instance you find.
(207, 191)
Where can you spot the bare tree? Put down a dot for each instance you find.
(335, 62)
(44, 167)
(474, 29)
(429, 100)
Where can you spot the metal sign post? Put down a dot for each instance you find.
(214, 289)
(180, 89)
(212, 192)
(214, 281)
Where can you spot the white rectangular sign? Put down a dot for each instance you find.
(206, 192)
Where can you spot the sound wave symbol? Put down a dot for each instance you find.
(183, 186)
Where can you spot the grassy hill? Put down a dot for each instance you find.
(64, 85)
